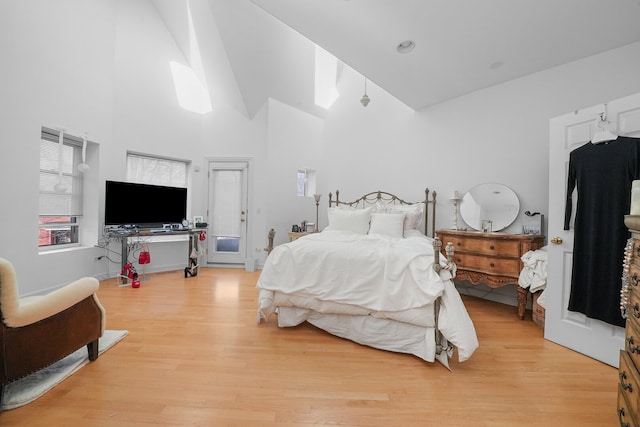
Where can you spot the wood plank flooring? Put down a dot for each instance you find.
(195, 356)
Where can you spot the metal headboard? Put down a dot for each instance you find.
(382, 196)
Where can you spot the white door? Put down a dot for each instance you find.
(227, 215)
(591, 337)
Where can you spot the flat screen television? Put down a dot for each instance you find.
(143, 205)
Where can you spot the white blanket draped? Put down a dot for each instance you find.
(347, 273)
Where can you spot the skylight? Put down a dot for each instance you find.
(192, 95)
(189, 81)
(325, 78)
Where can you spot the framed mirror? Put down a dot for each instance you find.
(489, 207)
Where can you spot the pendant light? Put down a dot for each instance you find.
(60, 187)
(83, 167)
(365, 100)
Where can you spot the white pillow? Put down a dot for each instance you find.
(356, 220)
(414, 214)
(388, 224)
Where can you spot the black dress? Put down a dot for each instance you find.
(603, 174)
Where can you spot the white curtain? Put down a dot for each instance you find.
(227, 192)
(157, 171)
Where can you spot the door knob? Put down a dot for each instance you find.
(556, 240)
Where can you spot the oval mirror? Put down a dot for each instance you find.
(489, 207)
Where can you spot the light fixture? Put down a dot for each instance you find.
(365, 100)
(317, 198)
(406, 46)
(83, 167)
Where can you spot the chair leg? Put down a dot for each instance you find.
(92, 347)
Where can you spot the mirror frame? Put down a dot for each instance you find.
(492, 202)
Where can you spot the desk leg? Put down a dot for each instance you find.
(124, 242)
(522, 300)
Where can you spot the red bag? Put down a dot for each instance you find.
(145, 255)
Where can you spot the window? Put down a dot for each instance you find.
(60, 198)
(145, 169)
(306, 182)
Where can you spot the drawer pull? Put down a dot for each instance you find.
(621, 415)
(633, 280)
(492, 265)
(458, 260)
(632, 348)
(636, 311)
(492, 247)
(625, 386)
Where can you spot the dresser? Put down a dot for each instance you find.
(629, 376)
(491, 258)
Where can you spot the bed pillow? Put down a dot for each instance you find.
(389, 224)
(354, 220)
(413, 214)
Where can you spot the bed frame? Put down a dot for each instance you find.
(382, 196)
(429, 230)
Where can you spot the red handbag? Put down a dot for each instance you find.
(145, 255)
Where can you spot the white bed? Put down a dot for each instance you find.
(372, 277)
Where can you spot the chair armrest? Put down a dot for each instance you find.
(35, 308)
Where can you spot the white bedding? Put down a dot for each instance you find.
(366, 275)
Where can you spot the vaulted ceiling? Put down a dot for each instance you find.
(460, 45)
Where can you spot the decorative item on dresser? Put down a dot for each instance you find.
(629, 372)
(492, 258)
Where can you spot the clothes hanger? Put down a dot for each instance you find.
(603, 131)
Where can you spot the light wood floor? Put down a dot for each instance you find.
(195, 356)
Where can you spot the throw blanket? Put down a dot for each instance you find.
(534, 272)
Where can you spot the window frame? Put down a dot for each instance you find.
(70, 222)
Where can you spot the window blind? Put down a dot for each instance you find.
(227, 192)
(156, 170)
(69, 202)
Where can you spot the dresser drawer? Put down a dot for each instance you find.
(485, 247)
(495, 266)
(625, 414)
(634, 274)
(632, 340)
(628, 381)
(633, 309)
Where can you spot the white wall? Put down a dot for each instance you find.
(57, 70)
(499, 134)
(295, 141)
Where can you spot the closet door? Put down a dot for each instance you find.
(591, 337)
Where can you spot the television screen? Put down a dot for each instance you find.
(143, 205)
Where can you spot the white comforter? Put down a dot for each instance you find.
(347, 273)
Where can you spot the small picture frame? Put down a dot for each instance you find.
(198, 219)
(533, 225)
(487, 225)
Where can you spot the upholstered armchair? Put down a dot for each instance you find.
(37, 331)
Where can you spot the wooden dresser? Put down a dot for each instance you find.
(629, 385)
(491, 258)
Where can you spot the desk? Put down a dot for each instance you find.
(492, 258)
(123, 235)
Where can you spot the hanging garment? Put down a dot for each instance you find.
(603, 174)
